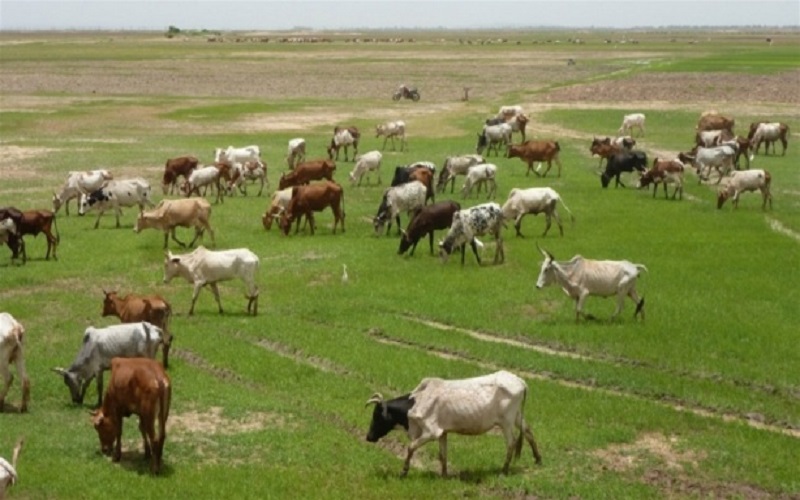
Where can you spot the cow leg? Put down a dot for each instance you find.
(215, 290)
(518, 225)
(579, 302)
(174, 238)
(118, 212)
(639, 303)
(492, 189)
(117, 453)
(7, 378)
(548, 223)
(100, 388)
(147, 440)
(500, 253)
(443, 453)
(26, 383)
(474, 247)
(195, 293)
(412, 447)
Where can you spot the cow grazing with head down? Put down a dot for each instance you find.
(344, 137)
(534, 201)
(79, 183)
(313, 198)
(540, 151)
(12, 352)
(631, 121)
(625, 161)
(134, 308)
(366, 163)
(470, 407)
(425, 221)
(31, 222)
(171, 214)
(663, 172)
(306, 172)
(174, 168)
(743, 181)
(470, 223)
(208, 267)
(580, 278)
(721, 158)
(138, 386)
(769, 133)
(407, 197)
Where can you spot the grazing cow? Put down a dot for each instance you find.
(79, 183)
(8, 471)
(425, 221)
(203, 178)
(238, 155)
(453, 166)
(483, 173)
(664, 172)
(580, 277)
(171, 214)
(344, 137)
(295, 151)
(470, 406)
(743, 181)
(100, 345)
(470, 223)
(769, 133)
(493, 136)
(606, 148)
(407, 197)
(625, 161)
(518, 123)
(115, 195)
(137, 308)
(313, 198)
(207, 267)
(630, 121)
(541, 151)
(720, 158)
(306, 172)
(31, 222)
(522, 202)
(715, 121)
(280, 200)
(366, 163)
(181, 166)
(138, 386)
(249, 171)
(12, 351)
(390, 130)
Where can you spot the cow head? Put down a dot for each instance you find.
(77, 388)
(106, 431)
(172, 266)
(605, 178)
(405, 242)
(388, 415)
(109, 304)
(482, 143)
(547, 272)
(723, 195)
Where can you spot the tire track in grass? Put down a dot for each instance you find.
(671, 403)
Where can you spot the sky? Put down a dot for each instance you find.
(376, 14)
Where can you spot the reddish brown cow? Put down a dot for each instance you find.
(425, 176)
(176, 167)
(314, 198)
(665, 172)
(604, 148)
(715, 122)
(31, 222)
(425, 221)
(138, 386)
(531, 151)
(135, 308)
(306, 172)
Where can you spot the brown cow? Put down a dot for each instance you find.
(138, 386)
(604, 148)
(306, 172)
(531, 151)
(314, 198)
(176, 167)
(664, 172)
(135, 308)
(169, 214)
(425, 175)
(31, 222)
(715, 122)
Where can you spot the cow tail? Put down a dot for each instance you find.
(164, 399)
(572, 217)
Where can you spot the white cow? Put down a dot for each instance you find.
(493, 136)
(12, 335)
(746, 180)
(580, 277)
(79, 183)
(390, 130)
(470, 407)
(720, 158)
(534, 201)
(470, 223)
(295, 152)
(509, 111)
(208, 267)
(631, 121)
(482, 173)
(250, 171)
(7, 228)
(770, 133)
(100, 345)
(366, 163)
(343, 138)
(241, 155)
(203, 177)
(115, 195)
(406, 197)
(8, 472)
(456, 165)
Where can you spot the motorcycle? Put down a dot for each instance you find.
(406, 92)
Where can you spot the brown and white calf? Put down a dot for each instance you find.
(31, 222)
(12, 336)
(250, 171)
(314, 198)
(769, 133)
(664, 172)
(746, 180)
(344, 137)
(136, 308)
(541, 151)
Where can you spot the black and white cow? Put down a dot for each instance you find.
(469, 223)
(115, 195)
(624, 161)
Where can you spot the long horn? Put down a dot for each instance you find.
(60, 371)
(543, 252)
(376, 398)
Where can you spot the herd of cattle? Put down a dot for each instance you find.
(141, 386)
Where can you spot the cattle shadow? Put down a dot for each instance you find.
(472, 477)
(134, 461)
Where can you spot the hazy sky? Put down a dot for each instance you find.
(339, 14)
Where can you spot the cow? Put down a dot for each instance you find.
(580, 278)
(541, 151)
(470, 223)
(711, 138)
(174, 168)
(280, 200)
(470, 407)
(606, 148)
(12, 351)
(390, 130)
(238, 155)
(425, 221)
(422, 171)
(630, 121)
(406, 197)
(204, 177)
(715, 121)
(493, 136)
(31, 222)
(769, 133)
(625, 161)
(517, 122)
(171, 214)
(295, 151)
(115, 195)
(313, 198)
(507, 112)
(534, 201)
(720, 158)
(207, 267)
(663, 172)
(137, 308)
(344, 137)
(79, 183)
(743, 181)
(366, 163)
(8, 470)
(100, 345)
(483, 173)
(138, 386)
(306, 172)
(453, 166)
(249, 171)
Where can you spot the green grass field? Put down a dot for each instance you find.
(700, 400)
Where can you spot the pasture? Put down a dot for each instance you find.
(700, 400)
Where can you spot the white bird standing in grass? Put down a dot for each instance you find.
(345, 278)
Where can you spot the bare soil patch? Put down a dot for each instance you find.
(213, 422)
